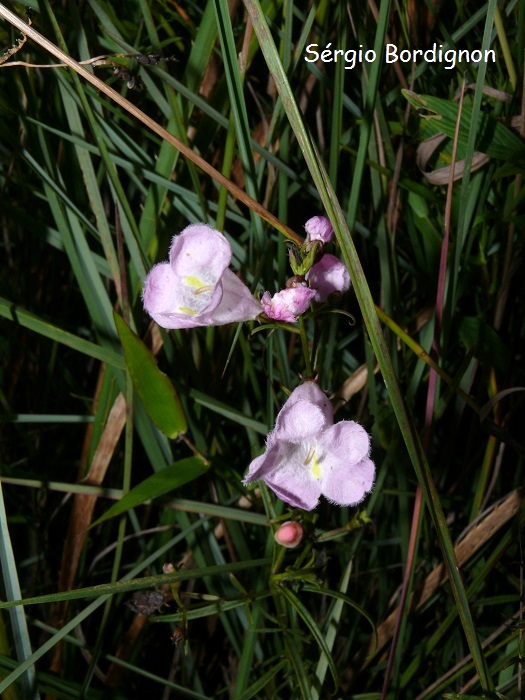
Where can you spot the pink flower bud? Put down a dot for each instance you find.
(289, 534)
(319, 228)
(328, 276)
(287, 304)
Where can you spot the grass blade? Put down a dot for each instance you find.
(17, 615)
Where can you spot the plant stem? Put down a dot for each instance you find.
(306, 352)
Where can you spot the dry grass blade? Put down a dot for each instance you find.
(351, 386)
(494, 519)
(82, 511)
(441, 176)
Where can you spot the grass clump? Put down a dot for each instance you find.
(144, 564)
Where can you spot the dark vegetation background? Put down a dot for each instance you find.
(69, 158)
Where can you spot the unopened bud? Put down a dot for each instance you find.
(289, 534)
(319, 228)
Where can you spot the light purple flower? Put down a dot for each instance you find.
(307, 455)
(327, 277)
(287, 304)
(196, 288)
(319, 228)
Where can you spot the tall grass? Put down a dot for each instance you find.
(111, 470)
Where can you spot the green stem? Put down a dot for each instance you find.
(306, 352)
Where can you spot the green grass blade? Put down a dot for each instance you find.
(238, 107)
(12, 588)
(228, 412)
(318, 636)
(158, 484)
(263, 681)
(491, 137)
(467, 194)
(27, 320)
(128, 583)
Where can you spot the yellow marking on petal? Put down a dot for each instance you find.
(187, 310)
(316, 467)
(193, 281)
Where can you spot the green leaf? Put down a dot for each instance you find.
(158, 484)
(303, 612)
(17, 314)
(263, 681)
(488, 346)
(156, 392)
(493, 138)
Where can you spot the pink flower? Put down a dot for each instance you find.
(196, 287)
(307, 455)
(327, 277)
(319, 228)
(289, 534)
(287, 304)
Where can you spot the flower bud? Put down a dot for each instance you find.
(319, 228)
(289, 534)
(287, 304)
(328, 276)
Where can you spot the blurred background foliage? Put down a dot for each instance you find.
(89, 200)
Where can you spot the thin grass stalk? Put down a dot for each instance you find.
(17, 616)
(235, 81)
(463, 220)
(368, 116)
(332, 624)
(101, 597)
(430, 404)
(28, 320)
(364, 297)
(507, 55)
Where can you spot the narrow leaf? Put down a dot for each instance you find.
(158, 484)
(492, 137)
(314, 629)
(155, 390)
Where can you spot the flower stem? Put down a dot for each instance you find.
(306, 353)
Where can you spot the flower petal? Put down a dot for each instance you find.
(327, 277)
(345, 483)
(200, 252)
(310, 391)
(159, 293)
(319, 228)
(295, 485)
(347, 440)
(283, 471)
(262, 465)
(237, 303)
(287, 304)
(298, 421)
